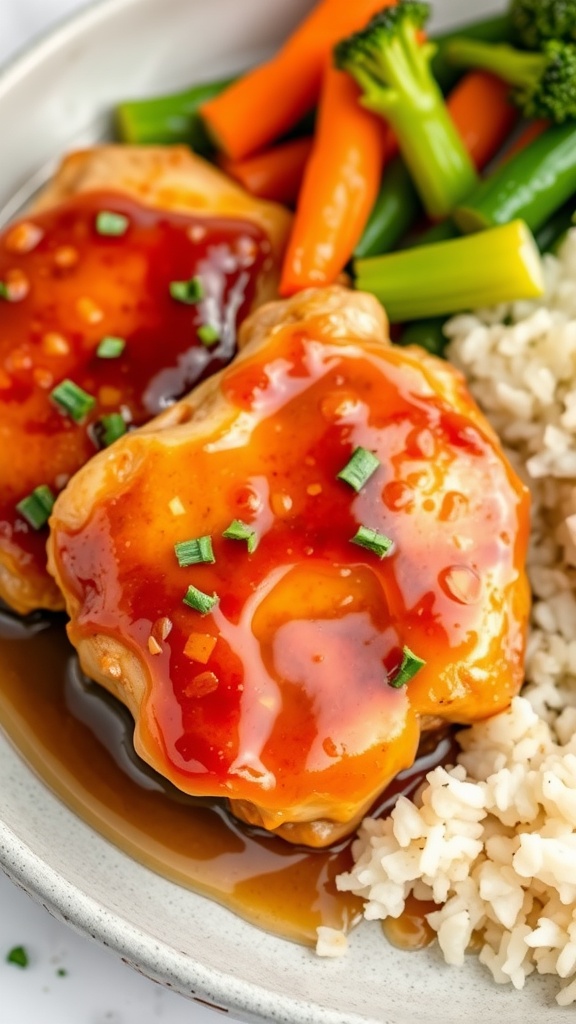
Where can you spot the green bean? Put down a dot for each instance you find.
(530, 186)
(395, 210)
(171, 119)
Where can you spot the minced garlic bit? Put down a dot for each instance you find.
(111, 667)
(66, 257)
(162, 627)
(199, 647)
(314, 489)
(176, 507)
(42, 377)
(17, 285)
(153, 645)
(330, 942)
(202, 685)
(89, 310)
(54, 344)
(109, 396)
(23, 237)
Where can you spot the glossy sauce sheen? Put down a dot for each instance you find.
(68, 288)
(292, 709)
(79, 740)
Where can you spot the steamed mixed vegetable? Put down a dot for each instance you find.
(378, 136)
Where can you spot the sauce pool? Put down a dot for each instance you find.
(78, 739)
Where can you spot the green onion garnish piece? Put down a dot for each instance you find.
(360, 468)
(112, 427)
(208, 335)
(379, 543)
(114, 224)
(409, 666)
(194, 552)
(190, 292)
(241, 531)
(110, 348)
(4, 290)
(73, 400)
(61, 972)
(18, 956)
(200, 601)
(37, 506)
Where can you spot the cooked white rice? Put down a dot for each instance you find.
(493, 840)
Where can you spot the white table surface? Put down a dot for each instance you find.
(97, 988)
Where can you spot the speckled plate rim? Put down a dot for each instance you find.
(70, 902)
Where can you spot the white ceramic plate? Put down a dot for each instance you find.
(54, 97)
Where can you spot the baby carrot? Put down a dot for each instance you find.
(268, 101)
(482, 113)
(274, 173)
(339, 188)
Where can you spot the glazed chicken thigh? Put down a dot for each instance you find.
(291, 573)
(120, 289)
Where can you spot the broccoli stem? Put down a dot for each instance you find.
(168, 120)
(499, 265)
(490, 30)
(433, 151)
(392, 68)
(513, 66)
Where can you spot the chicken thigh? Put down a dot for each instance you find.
(120, 289)
(293, 571)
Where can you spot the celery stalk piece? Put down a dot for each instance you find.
(499, 265)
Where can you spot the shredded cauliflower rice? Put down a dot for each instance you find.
(493, 840)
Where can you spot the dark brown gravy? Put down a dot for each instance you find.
(78, 740)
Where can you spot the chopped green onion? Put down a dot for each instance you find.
(112, 427)
(37, 506)
(113, 224)
(379, 543)
(189, 292)
(360, 468)
(208, 335)
(110, 348)
(18, 956)
(241, 531)
(4, 290)
(409, 666)
(73, 400)
(194, 552)
(200, 601)
(61, 972)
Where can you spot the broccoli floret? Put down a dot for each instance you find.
(534, 22)
(392, 67)
(544, 83)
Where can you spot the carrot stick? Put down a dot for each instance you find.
(339, 188)
(275, 173)
(483, 114)
(267, 102)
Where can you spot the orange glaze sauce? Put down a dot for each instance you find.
(78, 739)
(66, 288)
(291, 707)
